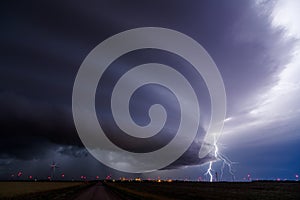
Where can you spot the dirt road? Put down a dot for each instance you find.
(98, 192)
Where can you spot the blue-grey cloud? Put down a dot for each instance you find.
(44, 43)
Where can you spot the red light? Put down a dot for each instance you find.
(30, 177)
(97, 177)
(63, 175)
(81, 177)
(20, 174)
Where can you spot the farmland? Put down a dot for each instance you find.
(205, 190)
(39, 190)
(135, 190)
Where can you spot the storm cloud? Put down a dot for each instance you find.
(44, 43)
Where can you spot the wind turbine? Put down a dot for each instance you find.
(53, 167)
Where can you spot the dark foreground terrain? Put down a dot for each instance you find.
(204, 190)
(23, 190)
(149, 190)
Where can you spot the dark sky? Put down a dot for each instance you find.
(255, 45)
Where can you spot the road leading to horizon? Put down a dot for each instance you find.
(98, 192)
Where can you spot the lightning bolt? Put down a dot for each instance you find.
(209, 171)
(226, 162)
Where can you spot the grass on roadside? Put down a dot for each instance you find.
(39, 190)
(201, 190)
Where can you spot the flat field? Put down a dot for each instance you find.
(152, 190)
(204, 190)
(33, 190)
